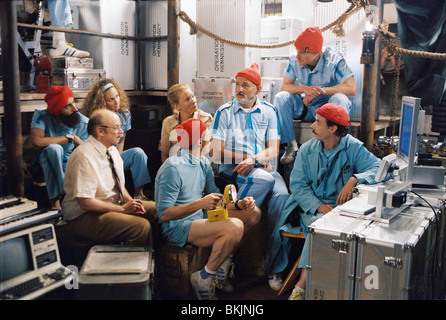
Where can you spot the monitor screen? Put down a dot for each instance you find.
(408, 136)
(406, 129)
(15, 257)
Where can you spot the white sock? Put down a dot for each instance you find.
(58, 38)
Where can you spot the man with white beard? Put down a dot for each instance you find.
(245, 138)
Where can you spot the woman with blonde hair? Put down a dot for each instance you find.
(184, 105)
(107, 94)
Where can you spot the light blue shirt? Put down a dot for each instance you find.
(53, 128)
(245, 131)
(180, 180)
(316, 180)
(330, 70)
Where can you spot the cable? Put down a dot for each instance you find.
(435, 251)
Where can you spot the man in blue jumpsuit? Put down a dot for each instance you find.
(184, 190)
(326, 170)
(55, 132)
(246, 139)
(312, 78)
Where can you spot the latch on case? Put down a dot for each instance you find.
(339, 245)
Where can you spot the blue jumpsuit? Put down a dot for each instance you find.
(180, 180)
(54, 157)
(317, 178)
(330, 70)
(249, 132)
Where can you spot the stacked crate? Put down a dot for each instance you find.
(76, 73)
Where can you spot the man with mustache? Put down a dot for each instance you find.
(312, 78)
(326, 170)
(246, 139)
(55, 132)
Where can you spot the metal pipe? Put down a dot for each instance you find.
(370, 90)
(11, 87)
(173, 43)
(91, 33)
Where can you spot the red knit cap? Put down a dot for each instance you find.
(189, 132)
(251, 73)
(335, 113)
(309, 40)
(57, 99)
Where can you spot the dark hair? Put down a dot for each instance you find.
(341, 131)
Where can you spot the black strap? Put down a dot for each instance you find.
(304, 113)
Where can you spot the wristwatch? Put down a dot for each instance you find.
(70, 137)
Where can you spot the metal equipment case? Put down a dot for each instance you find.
(77, 79)
(331, 256)
(114, 272)
(393, 261)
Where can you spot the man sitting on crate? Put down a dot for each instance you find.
(55, 132)
(184, 190)
(326, 170)
(97, 206)
(246, 139)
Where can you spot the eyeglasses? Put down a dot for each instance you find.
(116, 129)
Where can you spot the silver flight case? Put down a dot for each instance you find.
(77, 79)
(331, 256)
(393, 261)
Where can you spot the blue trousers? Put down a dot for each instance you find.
(265, 185)
(290, 106)
(60, 13)
(53, 160)
(135, 160)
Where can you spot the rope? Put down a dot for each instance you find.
(396, 49)
(337, 28)
(336, 25)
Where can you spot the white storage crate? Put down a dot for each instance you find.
(237, 20)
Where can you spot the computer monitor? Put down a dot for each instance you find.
(408, 136)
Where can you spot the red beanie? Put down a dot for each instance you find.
(190, 131)
(335, 113)
(57, 99)
(251, 73)
(309, 40)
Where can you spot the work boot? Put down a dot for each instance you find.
(288, 155)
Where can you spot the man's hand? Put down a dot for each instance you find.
(76, 140)
(247, 203)
(244, 167)
(324, 208)
(134, 206)
(347, 190)
(312, 92)
(211, 201)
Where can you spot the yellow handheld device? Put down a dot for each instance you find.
(221, 212)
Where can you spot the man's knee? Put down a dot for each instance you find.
(281, 99)
(141, 233)
(53, 150)
(342, 100)
(234, 229)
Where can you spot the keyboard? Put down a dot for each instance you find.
(35, 284)
(26, 219)
(15, 206)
